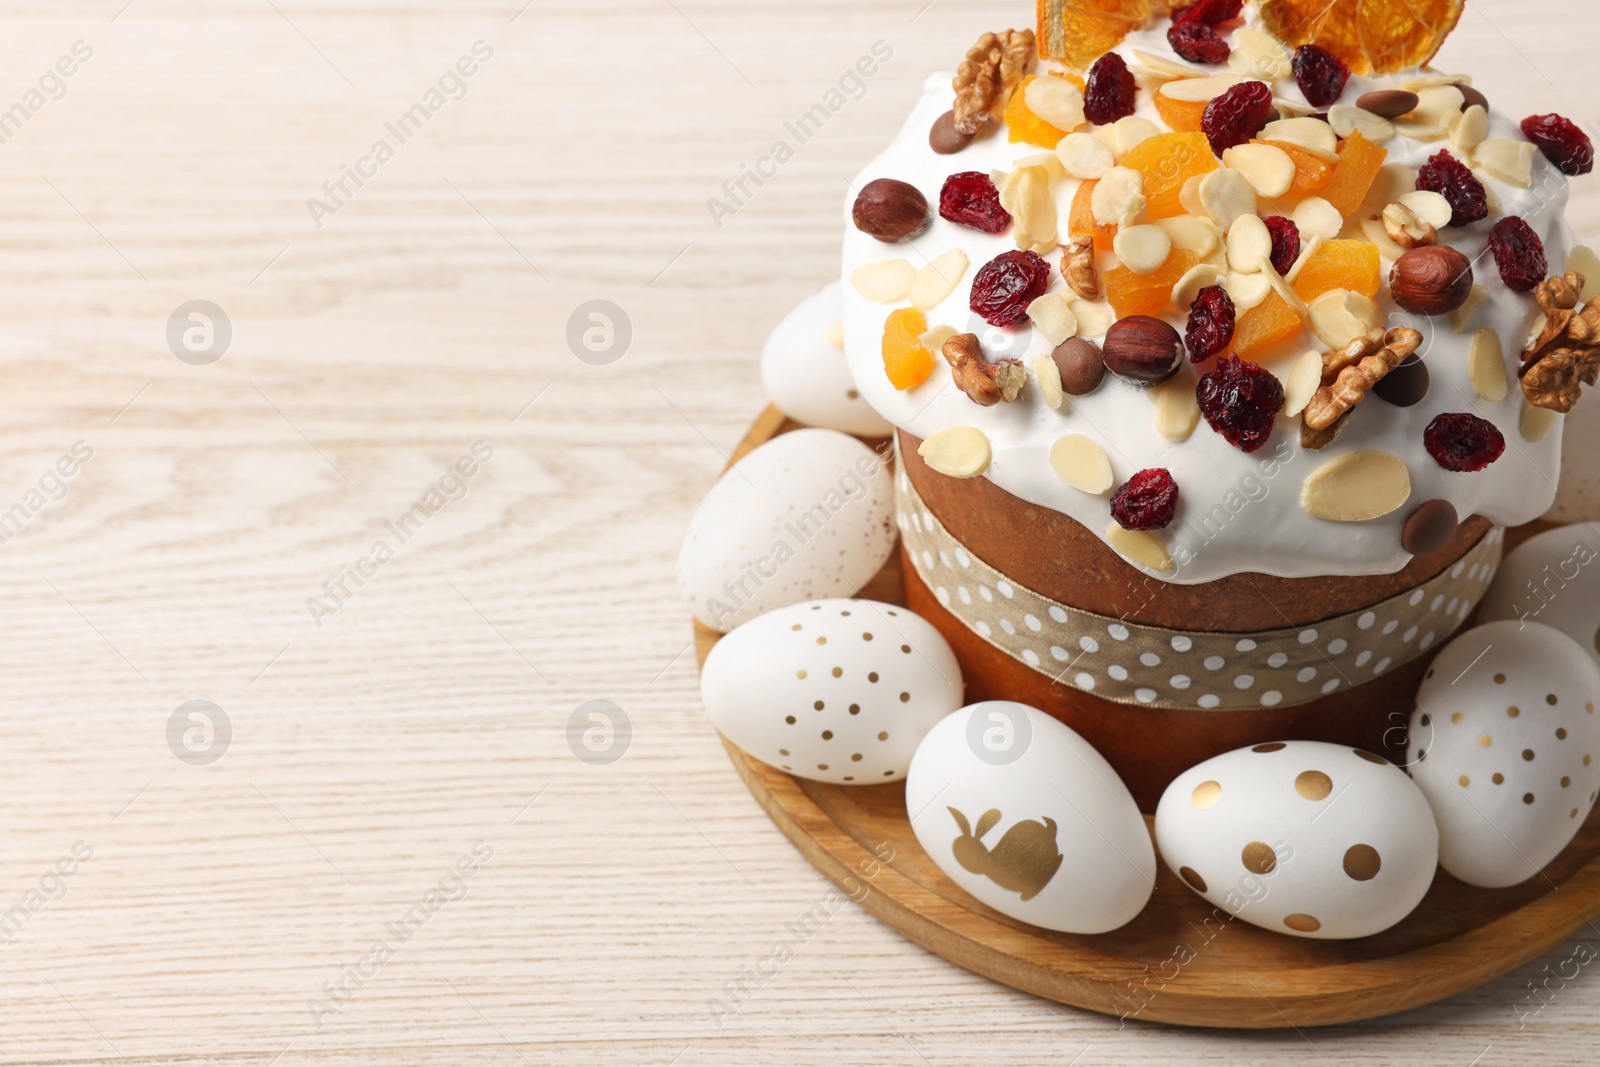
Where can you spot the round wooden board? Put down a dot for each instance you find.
(1180, 961)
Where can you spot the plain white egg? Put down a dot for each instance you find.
(1553, 578)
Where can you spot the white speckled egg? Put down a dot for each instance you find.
(1552, 579)
(835, 690)
(805, 374)
(1026, 816)
(809, 514)
(1505, 743)
(1302, 837)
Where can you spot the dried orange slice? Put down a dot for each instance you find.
(1078, 32)
(1311, 175)
(1147, 294)
(1269, 323)
(1339, 265)
(1359, 163)
(1380, 36)
(905, 360)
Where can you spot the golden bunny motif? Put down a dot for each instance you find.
(1024, 860)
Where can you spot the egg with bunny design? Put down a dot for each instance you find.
(1024, 815)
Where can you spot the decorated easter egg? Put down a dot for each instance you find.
(804, 372)
(1302, 837)
(809, 514)
(1552, 579)
(1505, 743)
(1026, 816)
(832, 690)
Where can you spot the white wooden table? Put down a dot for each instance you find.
(233, 911)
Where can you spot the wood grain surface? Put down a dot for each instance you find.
(274, 906)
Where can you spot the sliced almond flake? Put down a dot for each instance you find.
(1201, 90)
(1461, 317)
(1049, 161)
(1292, 108)
(1357, 487)
(1346, 120)
(1308, 134)
(1314, 215)
(885, 282)
(1082, 463)
(1196, 234)
(1165, 65)
(1309, 247)
(959, 452)
(938, 279)
(1139, 546)
(1340, 316)
(1510, 161)
(1177, 410)
(1284, 290)
(1420, 131)
(1246, 290)
(1536, 422)
(1249, 242)
(1194, 279)
(936, 336)
(1056, 101)
(1114, 193)
(1268, 169)
(1082, 155)
(1304, 379)
(1583, 260)
(1094, 317)
(1142, 249)
(1049, 377)
(1469, 131)
(1486, 365)
(1225, 194)
(1132, 131)
(1052, 316)
(1429, 206)
(1374, 231)
(1258, 55)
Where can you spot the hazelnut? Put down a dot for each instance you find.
(1431, 280)
(1389, 103)
(1078, 361)
(1142, 348)
(891, 211)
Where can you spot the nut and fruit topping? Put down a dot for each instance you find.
(1518, 253)
(1449, 177)
(1320, 74)
(1463, 443)
(944, 138)
(1561, 142)
(1406, 228)
(985, 383)
(1080, 365)
(1211, 321)
(891, 211)
(1237, 115)
(1348, 375)
(1356, 487)
(1005, 286)
(959, 452)
(906, 360)
(1082, 464)
(1388, 103)
(1431, 280)
(1239, 400)
(1143, 349)
(1077, 267)
(971, 199)
(984, 82)
(1147, 501)
(1285, 242)
(1109, 92)
(1566, 354)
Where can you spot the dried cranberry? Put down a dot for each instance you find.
(1285, 242)
(1005, 286)
(1452, 179)
(1462, 442)
(1561, 142)
(1109, 92)
(970, 199)
(1211, 320)
(1518, 253)
(1320, 74)
(1210, 12)
(1240, 400)
(1237, 115)
(1197, 42)
(1147, 501)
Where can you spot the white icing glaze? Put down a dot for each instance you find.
(1238, 512)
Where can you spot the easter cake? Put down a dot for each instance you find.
(1222, 347)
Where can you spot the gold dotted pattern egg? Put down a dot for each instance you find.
(1305, 924)
(1361, 862)
(1258, 858)
(1313, 785)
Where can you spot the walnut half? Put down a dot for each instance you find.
(1077, 266)
(1566, 354)
(1347, 376)
(985, 383)
(993, 69)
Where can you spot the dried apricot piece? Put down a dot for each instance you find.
(1027, 126)
(1269, 323)
(906, 359)
(1311, 175)
(1080, 219)
(1078, 32)
(1370, 35)
(1147, 294)
(1339, 265)
(1182, 115)
(1166, 161)
(1359, 163)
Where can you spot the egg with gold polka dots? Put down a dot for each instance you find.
(1305, 838)
(1505, 744)
(832, 690)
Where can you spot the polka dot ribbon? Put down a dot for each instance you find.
(1134, 664)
